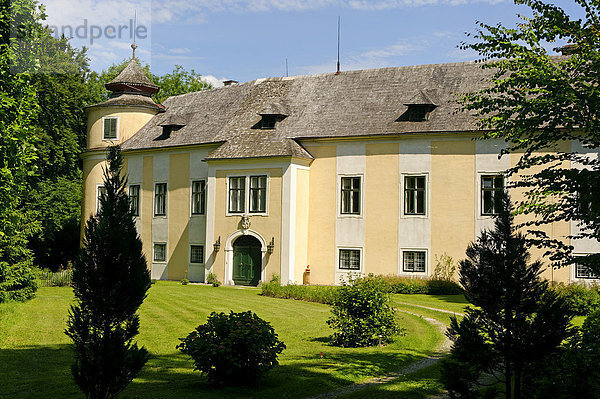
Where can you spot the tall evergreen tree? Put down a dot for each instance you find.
(110, 282)
(517, 322)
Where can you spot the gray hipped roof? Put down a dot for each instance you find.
(355, 103)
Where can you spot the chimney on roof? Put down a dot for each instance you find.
(230, 82)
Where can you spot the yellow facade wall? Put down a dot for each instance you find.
(301, 233)
(267, 226)
(322, 214)
(147, 206)
(131, 120)
(556, 230)
(381, 200)
(453, 186)
(178, 203)
(92, 177)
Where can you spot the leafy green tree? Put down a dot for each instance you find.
(110, 281)
(59, 137)
(19, 24)
(177, 82)
(572, 372)
(539, 103)
(517, 321)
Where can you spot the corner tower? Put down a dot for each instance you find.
(114, 121)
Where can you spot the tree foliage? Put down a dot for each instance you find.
(177, 82)
(540, 104)
(517, 321)
(110, 281)
(572, 372)
(19, 23)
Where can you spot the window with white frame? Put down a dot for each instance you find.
(415, 195)
(237, 194)
(196, 254)
(414, 261)
(255, 195)
(350, 195)
(134, 199)
(160, 252)
(109, 128)
(349, 259)
(160, 199)
(584, 272)
(492, 189)
(101, 193)
(258, 194)
(198, 197)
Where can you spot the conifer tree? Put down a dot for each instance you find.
(110, 281)
(517, 322)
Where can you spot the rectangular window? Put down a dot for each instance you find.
(414, 195)
(160, 252)
(160, 199)
(101, 193)
(258, 194)
(582, 271)
(492, 188)
(134, 199)
(350, 196)
(198, 197)
(414, 262)
(349, 259)
(237, 194)
(110, 129)
(196, 254)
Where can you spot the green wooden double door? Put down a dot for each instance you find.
(247, 261)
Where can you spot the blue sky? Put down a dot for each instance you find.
(249, 39)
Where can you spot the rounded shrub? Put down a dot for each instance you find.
(361, 314)
(233, 349)
(581, 299)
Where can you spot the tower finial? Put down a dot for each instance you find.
(338, 46)
(133, 46)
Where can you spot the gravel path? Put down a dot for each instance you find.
(441, 350)
(434, 309)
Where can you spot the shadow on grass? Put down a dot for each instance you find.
(44, 371)
(460, 298)
(37, 371)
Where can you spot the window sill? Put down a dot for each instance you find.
(350, 216)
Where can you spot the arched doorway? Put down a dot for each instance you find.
(247, 260)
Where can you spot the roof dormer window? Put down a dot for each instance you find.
(167, 130)
(416, 113)
(419, 108)
(270, 115)
(269, 121)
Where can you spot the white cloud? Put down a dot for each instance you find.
(375, 58)
(184, 50)
(213, 80)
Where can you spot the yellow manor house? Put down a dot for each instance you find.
(367, 171)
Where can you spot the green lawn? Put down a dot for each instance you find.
(35, 356)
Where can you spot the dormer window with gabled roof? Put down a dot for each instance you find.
(172, 123)
(419, 108)
(271, 115)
